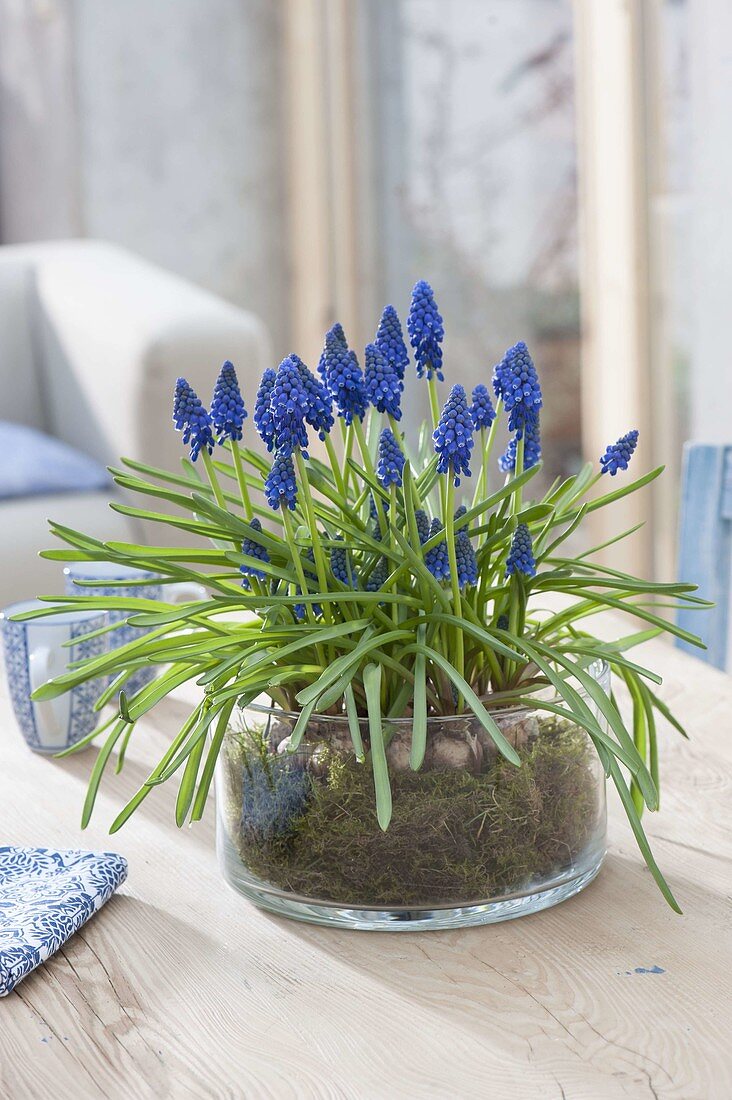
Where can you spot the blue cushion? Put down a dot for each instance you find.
(35, 464)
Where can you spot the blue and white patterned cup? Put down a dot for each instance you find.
(83, 577)
(35, 652)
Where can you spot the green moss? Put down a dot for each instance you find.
(454, 836)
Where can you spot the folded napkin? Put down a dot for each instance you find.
(45, 896)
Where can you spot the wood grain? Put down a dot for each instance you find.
(180, 988)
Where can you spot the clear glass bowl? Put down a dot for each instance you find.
(473, 839)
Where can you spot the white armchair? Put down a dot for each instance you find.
(92, 339)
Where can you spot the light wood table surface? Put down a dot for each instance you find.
(180, 988)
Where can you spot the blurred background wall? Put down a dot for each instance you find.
(155, 125)
(558, 171)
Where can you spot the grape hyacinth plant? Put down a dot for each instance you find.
(409, 622)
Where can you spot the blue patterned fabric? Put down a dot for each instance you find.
(46, 896)
(35, 463)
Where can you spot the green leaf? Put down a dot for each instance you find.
(419, 704)
(640, 836)
(579, 711)
(382, 786)
(188, 782)
(98, 770)
(613, 717)
(486, 720)
(340, 665)
(354, 724)
(301, 725)
(209, 767)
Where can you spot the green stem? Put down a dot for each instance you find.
(517, 496)
(241, 478)
(335, 466)
(370, 469)
(487, 447)
(214, 481)
(393, 545)
(320, 567)
(297, 562)
(434, 400)
(347, 452)
(451, 553)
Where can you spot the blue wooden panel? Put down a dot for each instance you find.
(705, 545)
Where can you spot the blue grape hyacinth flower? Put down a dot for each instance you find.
(467, 563)
(423, 525)
(227, 406)
(390, 341)
(263, 419)
(426, 331)
(342, 568)
(521, 555)
(378, 575)
(192, 418)
(515, 381)
(319, 414)
(453, 436)
(289, 406)
(336, 331)
(390, 463)
(618, 455)
(437, 559)
(482, 410)
(532, 446)
(280, 488)
(381, 381)
(344, 378)
(254, 550)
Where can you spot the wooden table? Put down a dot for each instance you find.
(180, 988)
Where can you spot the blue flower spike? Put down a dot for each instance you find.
(618, 455)
(390, 341)
(521, 555)
(191, 418)
(383, 387)
(378, 575)
(344, 377)
(423, 525)
(341, 568)
(319, 414)
(482, 410)
(336, 331)
(289, 406)
(263, 419)
(280, 488)
(467, 563)
(391, 460)
(515, 381)
(227, 406)
(426, 332)
(437, 559)
(453, 436)
(532, 446)
(253, 550)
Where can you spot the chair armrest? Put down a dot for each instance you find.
(114, 334)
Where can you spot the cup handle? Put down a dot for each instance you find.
(185, 590)
(39, 661)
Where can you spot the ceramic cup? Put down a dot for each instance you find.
(35, 652)
(151, 587)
